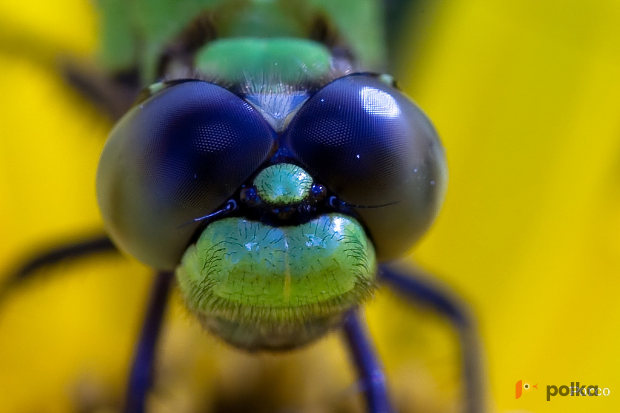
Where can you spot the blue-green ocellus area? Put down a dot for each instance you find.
(283, 184)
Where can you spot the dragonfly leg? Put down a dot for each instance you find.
(368, 365)
(410, 285)
(113, 94)
(141, 375)
(84, 248)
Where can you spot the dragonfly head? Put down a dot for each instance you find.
(274, 234)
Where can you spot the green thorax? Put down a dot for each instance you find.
(139, 33)
(235, 60)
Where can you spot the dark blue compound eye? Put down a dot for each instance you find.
(372, 146)
(175, 157)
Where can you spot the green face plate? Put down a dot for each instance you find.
(250, 274)
(283, 184)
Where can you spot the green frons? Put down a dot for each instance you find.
(283, 184)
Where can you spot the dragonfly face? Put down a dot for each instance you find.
(270, 170)
(296, 216)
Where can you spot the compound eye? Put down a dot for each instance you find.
(174, 157)
(374, 148)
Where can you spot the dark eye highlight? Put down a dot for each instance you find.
(174, 157)
(371, 145)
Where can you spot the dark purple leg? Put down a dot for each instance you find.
(141, 376)
(409, 284)
(369, 367)
(80, 249)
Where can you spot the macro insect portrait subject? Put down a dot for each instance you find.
(264, 164)
(277, 243)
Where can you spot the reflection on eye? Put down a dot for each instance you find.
(378, 102)
(371, 145)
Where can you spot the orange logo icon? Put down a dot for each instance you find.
(523, 387)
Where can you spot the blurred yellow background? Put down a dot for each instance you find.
(526, 96)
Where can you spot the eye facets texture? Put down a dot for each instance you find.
(373, 147)
(173, 158)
